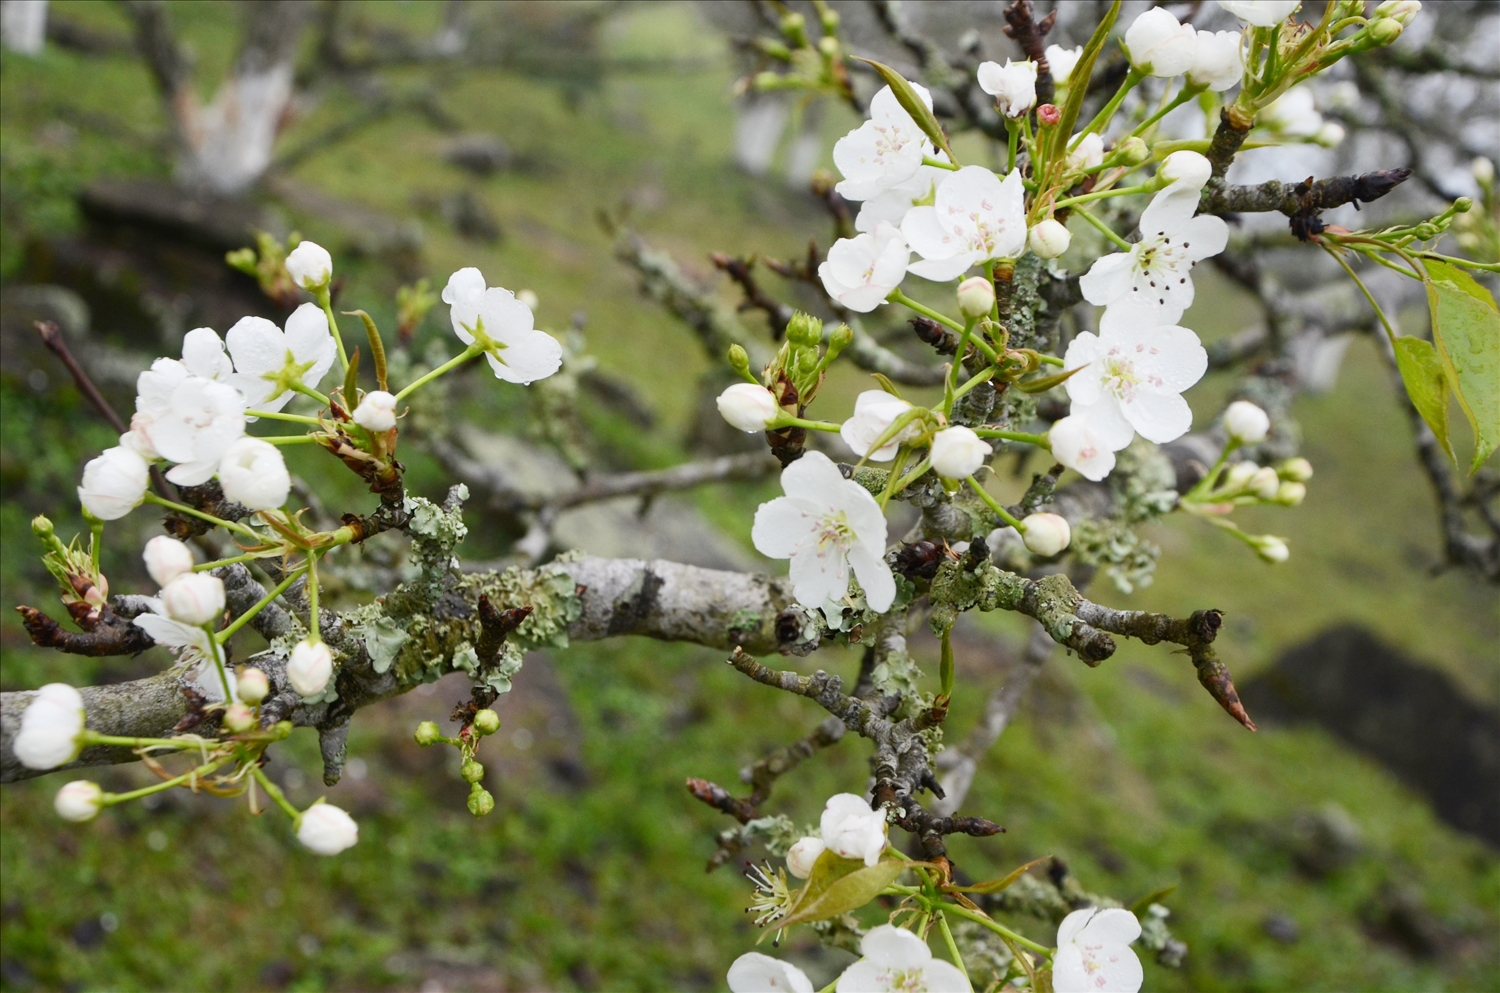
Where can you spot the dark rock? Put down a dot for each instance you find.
(1405, 715)
(1281, 928)
(481, 154)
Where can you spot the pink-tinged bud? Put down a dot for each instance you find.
(252, 686)
(194, 598)
(1265, 483)
(801, 857)
(1049, 239)
(1046, 534)
(976, 296)
(79, 801)
(748, 407)
(309, 668)
(167, 558)
(1047, 115)
(1246, 423)
(239, 718)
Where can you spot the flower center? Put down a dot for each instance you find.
(905, 980)
(1120, 376)
(289, 376)
(834, 531)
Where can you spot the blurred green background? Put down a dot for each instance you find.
(588, 875)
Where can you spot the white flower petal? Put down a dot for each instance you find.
(465, 286)
(874, 577)
(780, 526)
(256, 345)
(1108, 279)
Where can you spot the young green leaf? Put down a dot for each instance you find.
(377, 346)
(1078, 84)
(1003, 883)
(913, 105)
(839, 885)
(1426, 384)
(351, 380)
(1155, 896)
(1466, 330)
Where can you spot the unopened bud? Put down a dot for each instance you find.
(480, 801)
(801, 856)
(1463, 205)
(167, 558)
(1047, 115)
(1246, 423)
(828, 46)
(1132, 151)
(1404, 11)
(79, 801)
(427, 734)
(1385, 31)
(841, 338)
(1330, 135)
(1185, 167)
(252, 686)
(1239, 475)
(41, 526)
(1297, 470)
(1426, 231)
(472, 771)
(1046, 534)
(748, 407)
(1049, 239)
(1291, 494)
(486, 721)
(976, 295)
(739, 359)
(1265, 483)
(1483, 169)
(1270, 548)
(239, 718)
(804, 329)
(529, 298)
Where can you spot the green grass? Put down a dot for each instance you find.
(1129, 772)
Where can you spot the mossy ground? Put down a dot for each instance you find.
(588, 873)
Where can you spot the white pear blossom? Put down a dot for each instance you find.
(326, 829)
(193, 598)
(757, 973)
(826, 525)
(114, 484)
(309, 265)
(203, 355)
(1013, 85)
(269, 361)
(202, 420)
(1218, 63)
(1093, 952)
(1186, 170)
(376, 412)
(851, 829)
(1046, 534)
(1156, 274)
(180, 636)
(1087, 154)
(748, 407)
(253, 474)
(1134, 376)
(893, 204)
(1076, 446)
(504, 326)
(50, 726)
(78, 801)
(1061, 61)
(884, 151)
(167, 558)
(1261, 13)
(1049, 239)
(310, 667)
(897, 961)
(1294, 113)
(957, 452)
(974, 217)
(1160, 45)
(874, 412)
(861, 272)
(1246, 423)
(802, 855)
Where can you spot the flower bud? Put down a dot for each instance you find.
(1330, 135)
(748, 407)
(1297, 470)
(310, 668)
(1291, 494)
(1270, 548)
(309, 265)
(427, 734)
(79, 801)
(1046, 534)
(1246, 423)
(1049, 239)
(804, 329)
(1132, 151)
(1187, 168)
(194, 598)
(976, 296)
(1088, 154)
(1239, 476)
(239, 718)
(252, 686)
(481, 802)
(1483, 170)
(326, 829)
(841, 338)
(167, 558)
(529, 298)
(486, 721)
(1385, 31)
(1265, 483)
(1404, 11)
(50, 728)
(1048, 114)
(1217, 62)
(114, 484)
(1159, 45)
(801, 856)
(253, 474)
(376, 412)
(739, 359)
(1013, 85)
(958, 452)
(42, 526)
(472, 771)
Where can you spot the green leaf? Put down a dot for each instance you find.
(1466, 330)
(1427, 384)
(1046, 383)
(1155, 896)
(1078, 84)
(996, 885)
(377, 346)
(913, 105)
(886, 384)
(351, 381)
(839, 885)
